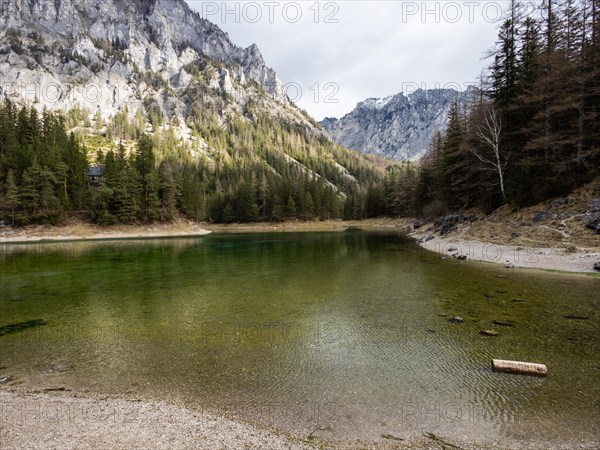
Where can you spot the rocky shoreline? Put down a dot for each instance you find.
(562, 234)
(509, 256)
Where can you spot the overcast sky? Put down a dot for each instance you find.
(333, 54)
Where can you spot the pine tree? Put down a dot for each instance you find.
(229, 214)
(455, 170)
(77, 184)
(49, 203)
(145, 167)
(100, 203)
(246, 200)
(263, 196)
(278, 212)
(193, 198)
(290, 207)
(61, 170)
(168, 194)
(30, 192)
(10, 202)
(125, 200)
(308, 207)
(504, 71)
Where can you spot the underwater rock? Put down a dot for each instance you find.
(456, 319)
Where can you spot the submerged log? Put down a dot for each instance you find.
(576, 317)
(519, 367)
(489, 333)
(16, 327)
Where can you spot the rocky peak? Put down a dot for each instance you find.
(166, 27)
(400, 126)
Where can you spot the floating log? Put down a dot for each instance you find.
(519, 367)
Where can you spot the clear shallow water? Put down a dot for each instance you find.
(344, 331)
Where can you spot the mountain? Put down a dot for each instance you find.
(398, 127)
(108, 54)
(230, 145)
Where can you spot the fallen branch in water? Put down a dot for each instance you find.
(433, 437)
(391, 437)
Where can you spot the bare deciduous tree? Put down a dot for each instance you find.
(490, 134)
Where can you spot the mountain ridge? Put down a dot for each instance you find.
(115, 55)
(399, 126)
(163, 20)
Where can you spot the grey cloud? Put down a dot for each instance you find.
(373, 51)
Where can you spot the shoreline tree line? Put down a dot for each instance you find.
(531, 133)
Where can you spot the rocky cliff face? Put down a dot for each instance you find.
(398, 127)
(109, 55)
(119, 67)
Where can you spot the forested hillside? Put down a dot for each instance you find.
(182, 122)
(535, 135)
(252, 170)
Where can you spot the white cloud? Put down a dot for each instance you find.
(375, 49)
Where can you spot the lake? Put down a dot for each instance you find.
(345, 335)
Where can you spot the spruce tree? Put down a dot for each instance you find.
(168, 195)
(290, 207)
(10, 202)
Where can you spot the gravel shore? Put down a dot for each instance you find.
(510, 255)
(46, 420)
(62, 420)
(77, 231)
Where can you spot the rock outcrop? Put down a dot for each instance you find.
(112, 55)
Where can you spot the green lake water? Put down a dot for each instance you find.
(347, 332)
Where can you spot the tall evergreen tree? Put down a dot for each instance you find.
(10, 203)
